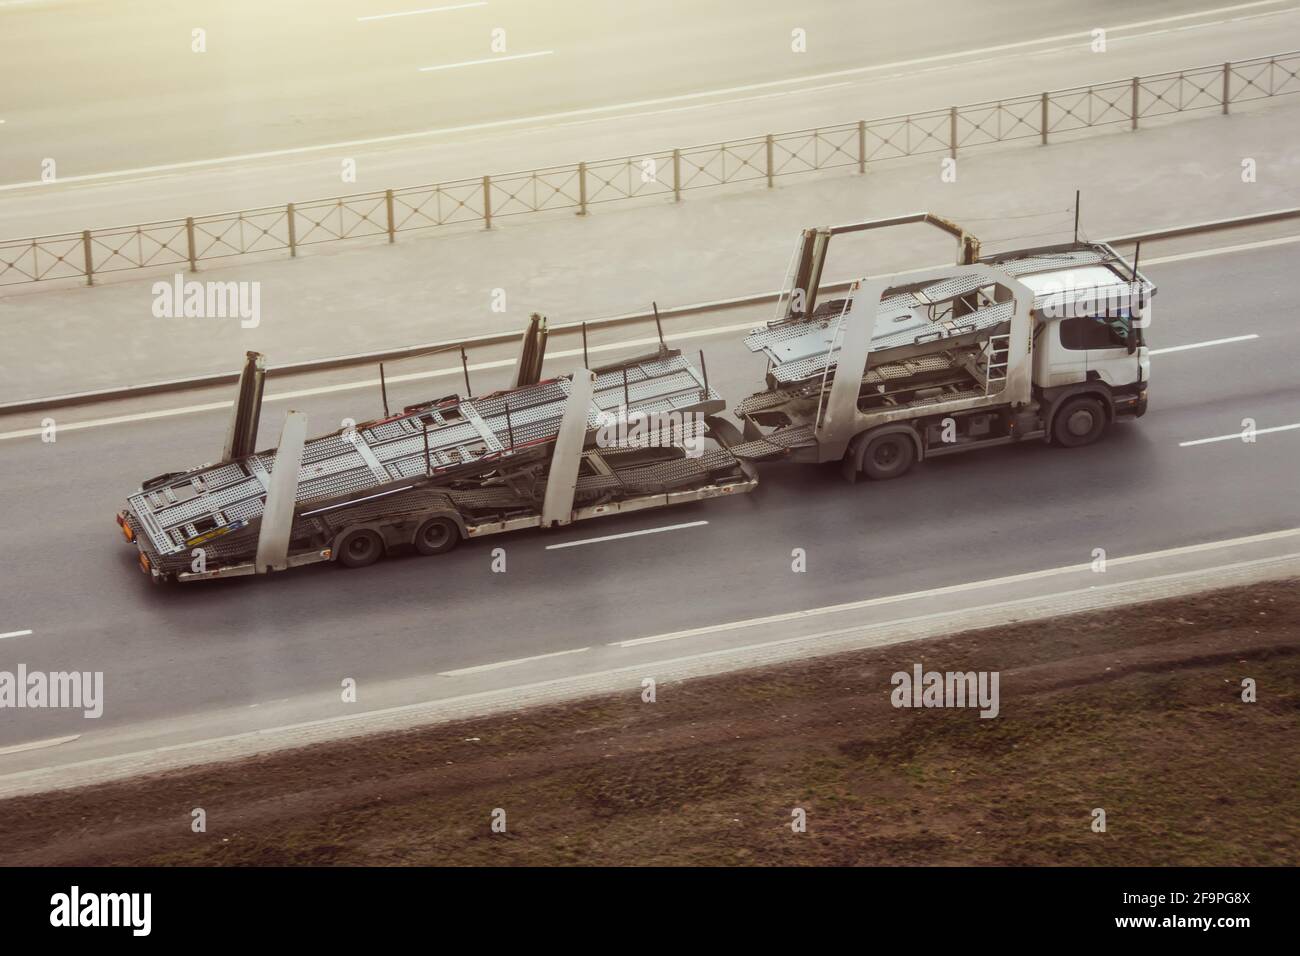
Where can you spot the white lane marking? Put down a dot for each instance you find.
(1202, 345)
(14, 634)
(562, 353)
(953, 589)
(490, 59)
(413, 13)
(706, 106)
(898, 622)
(37, 745)
(612, 108)
(626, 534)
(1236, 436)
(480, 668)
(1221, 251)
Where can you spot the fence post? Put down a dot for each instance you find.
(293, 233)
(392, 223)
(1042, 123)
(90, 259)
(677, 175)
(487, 202)
(189, 243)
(582, 189)
(1227, 85)
(769, 160)
(862, 146)
(1136, 86)
(952, 132)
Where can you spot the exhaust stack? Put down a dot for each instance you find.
(241, 438)
(532, 351)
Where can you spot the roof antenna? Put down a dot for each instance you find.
(1076, 217)
(659, 328)
(585, 362)
(1137, 251)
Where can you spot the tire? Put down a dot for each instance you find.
(889, 456)
(437, 536)
(360, 548)
(1079, 421)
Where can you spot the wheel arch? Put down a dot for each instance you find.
(451, 514)
(851, 464)
(1057, 397)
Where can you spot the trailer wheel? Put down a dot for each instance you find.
(360, 548)
(888, 456)
(1079, 422)
(437, 536)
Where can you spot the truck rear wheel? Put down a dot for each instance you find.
(437, 536)
(1079, 422)
(888, 456)
(360, 548)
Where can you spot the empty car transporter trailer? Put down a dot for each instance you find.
(453, 468)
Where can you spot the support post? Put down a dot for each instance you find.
(570, 440)
(952, 132)
(293, 232)
(89, 257)
(1137, 85)
(582, 189)
(487, 202)
(189, 244)
(862, 146)
(392, 223)
(1042, 119)
(770, 172)
(677, 175)
(281, 497)
(1227, 86)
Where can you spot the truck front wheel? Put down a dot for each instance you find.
(437, 536)
(888, 456)
(1080, 421)
(360, 548)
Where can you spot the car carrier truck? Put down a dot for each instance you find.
(1039, 344)
(1043, 343)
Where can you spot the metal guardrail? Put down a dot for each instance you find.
(498, 338)
(664, 173)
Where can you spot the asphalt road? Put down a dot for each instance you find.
(176, 653)
(105, 89)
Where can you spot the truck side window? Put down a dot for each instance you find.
(1091, 333)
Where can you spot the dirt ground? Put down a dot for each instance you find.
(1136, 711)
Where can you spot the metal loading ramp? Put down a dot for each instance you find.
(174, 514)
(925, 321)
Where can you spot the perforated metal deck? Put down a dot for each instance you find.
(381, 453)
